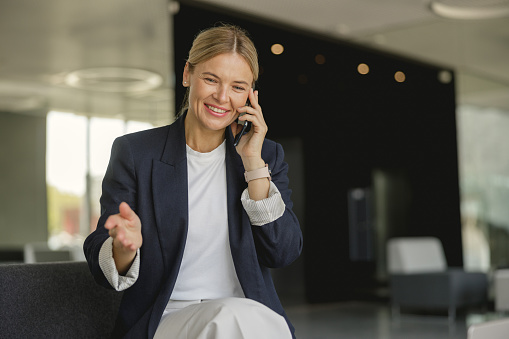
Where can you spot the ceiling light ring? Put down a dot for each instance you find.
(114, 79)
(457, 9)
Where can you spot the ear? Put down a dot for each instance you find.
(186, 76)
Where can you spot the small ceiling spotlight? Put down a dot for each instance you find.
(444, 76)
(277, 49)
(399, 76)
(320, 59)
(114, 79)
(470, 9)
(363, 68)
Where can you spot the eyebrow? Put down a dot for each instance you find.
(235, 81)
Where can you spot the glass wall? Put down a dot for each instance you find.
(484, 180)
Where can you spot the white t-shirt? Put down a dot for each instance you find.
(207, 270)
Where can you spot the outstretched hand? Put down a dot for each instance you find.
(125, 229)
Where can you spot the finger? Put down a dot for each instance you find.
(251, 104)
(120, 235)
(127, 243)
(112, 221)
(126, 212)
(113, 232)
(257, 120)
(253, 98)
(252, 115)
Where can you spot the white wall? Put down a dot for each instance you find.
(23, 201)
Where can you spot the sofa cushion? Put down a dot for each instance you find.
(54, 300)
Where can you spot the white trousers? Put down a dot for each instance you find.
(228, 318)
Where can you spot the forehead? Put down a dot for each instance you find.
(229, 66)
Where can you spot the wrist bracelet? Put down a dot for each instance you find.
(263, 172)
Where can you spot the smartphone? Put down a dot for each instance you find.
(246, 127)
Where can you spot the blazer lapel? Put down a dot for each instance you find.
(235, 183)
(169, 187)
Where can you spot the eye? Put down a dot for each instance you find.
(210, 80)
(239, 88)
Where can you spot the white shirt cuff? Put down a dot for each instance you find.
(107, 264)
(264, 211)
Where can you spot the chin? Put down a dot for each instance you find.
(215, 125)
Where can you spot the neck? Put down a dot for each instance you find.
(200, 139)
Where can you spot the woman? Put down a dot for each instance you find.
(190, 224)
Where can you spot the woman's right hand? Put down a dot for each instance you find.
(125, 229)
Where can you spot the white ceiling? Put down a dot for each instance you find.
(41, 41)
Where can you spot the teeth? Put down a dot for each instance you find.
(217, 110)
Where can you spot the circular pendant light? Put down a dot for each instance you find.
(114, 79)
(470, 9)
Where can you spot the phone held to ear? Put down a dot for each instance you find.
(246, 127)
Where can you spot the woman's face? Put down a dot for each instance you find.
(218, 87)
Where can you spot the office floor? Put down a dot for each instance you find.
(366, 320)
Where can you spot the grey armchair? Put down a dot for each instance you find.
(420, 278)
(494, 329)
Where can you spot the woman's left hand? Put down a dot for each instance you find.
(250, 145)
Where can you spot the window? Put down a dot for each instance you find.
(78, 150)
(484, 186)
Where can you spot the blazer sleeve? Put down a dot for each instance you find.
(119, 184)
(279, 243)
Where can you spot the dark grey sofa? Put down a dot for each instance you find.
(54, 300)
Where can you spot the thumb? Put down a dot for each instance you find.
(125, 211)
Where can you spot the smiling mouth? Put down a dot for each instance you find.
(216, 110)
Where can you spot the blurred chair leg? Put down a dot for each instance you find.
(395, 312)
(451, 315)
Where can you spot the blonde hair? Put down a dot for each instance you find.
(219, 40)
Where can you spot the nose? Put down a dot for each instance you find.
(221, 94)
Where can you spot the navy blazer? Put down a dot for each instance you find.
(148, 170)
